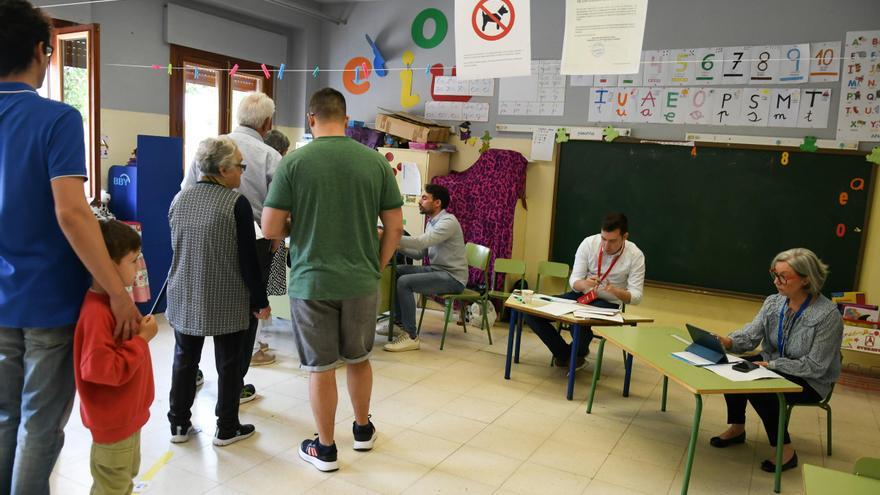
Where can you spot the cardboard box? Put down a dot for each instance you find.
(412, 127)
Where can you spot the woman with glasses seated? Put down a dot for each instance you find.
(214, 285)
(800, 331)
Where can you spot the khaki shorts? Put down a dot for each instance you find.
(329, 331)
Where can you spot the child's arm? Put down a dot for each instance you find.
(103, 360)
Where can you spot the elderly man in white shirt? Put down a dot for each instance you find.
(608, 271)
(259, 162)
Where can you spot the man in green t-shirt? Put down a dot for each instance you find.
(328, 195)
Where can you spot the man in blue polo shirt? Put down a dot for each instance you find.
(49, 243)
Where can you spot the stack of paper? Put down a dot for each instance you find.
(726, 370)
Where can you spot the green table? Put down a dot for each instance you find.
(655, 348)
(821, 481)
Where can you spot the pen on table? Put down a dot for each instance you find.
(678, 338)
(543, 298)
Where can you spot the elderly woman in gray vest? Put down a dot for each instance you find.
(214, 286)
(800, 331)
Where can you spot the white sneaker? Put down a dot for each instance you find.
(402, 342)
(383, 329)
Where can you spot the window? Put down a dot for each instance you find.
(73, 77)
(204, 99)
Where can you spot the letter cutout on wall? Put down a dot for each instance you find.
(356, 83)
(407, 98)
(441, 25)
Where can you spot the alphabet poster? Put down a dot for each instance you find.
(859, 113)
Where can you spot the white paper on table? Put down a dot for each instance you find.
(692, 358)
(755, 106)
(596, 310)
(727, 106)
(603, 36)
(618, 318)
(475, 111)
(543, 142)
(814, 107)
(784, 105)
(764, 64)
(556, 309)
(727, 371)
(492, 38)
(708, 65)
(411, 179)
(794, 63)
(734, 69)
(545, 297)
(825, 61)
(581, 80)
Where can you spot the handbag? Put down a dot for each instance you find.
(277, 285)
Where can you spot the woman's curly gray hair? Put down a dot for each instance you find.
(216, 154)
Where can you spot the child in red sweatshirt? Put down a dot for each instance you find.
(114, 379)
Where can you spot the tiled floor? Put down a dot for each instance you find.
(449, 423)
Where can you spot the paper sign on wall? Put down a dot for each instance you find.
(726, 106)
(814, 107)
(605, 81)
(755, 106)
(542, 93)
(699, 106)
(456, 110)
(452, 85)
(410, 180)
(825, 61)
(655, 71)
(794, 63)
(492, 38)
(683, 67)
(542, 143)
(625, 102)
(764, 64)
(600, 105)
(673, 105)
(735, 69)
(784, 105)
(603, 36)
(649, 109)
(708, 65)
(858, 116)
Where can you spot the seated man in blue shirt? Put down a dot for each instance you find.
(443, 244)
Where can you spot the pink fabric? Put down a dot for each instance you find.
(483, 198)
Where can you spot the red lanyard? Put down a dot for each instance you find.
(599, 264)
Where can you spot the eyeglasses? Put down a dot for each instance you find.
(242, 166)
(774, 276)
(48, 50)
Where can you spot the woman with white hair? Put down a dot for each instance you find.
(214, 286)
(800, 331)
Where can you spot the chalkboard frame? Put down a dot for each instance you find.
(870, 184)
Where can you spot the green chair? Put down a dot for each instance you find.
(552, 269)
(868, 467)
(507, 267)
(824, 405)
(477, 257)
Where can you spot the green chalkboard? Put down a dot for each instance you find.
(714, 221)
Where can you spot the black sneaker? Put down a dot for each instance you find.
(323, 457)
(181, 434)
(248, 393)
(200, 379)
(364, 436)
(226, 437)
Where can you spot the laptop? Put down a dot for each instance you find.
(706, 345)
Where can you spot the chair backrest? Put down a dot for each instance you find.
(478, 257)
(868, 467)
(508, 266)
(552, 269)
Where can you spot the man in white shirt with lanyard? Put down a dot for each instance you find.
(608, 271)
